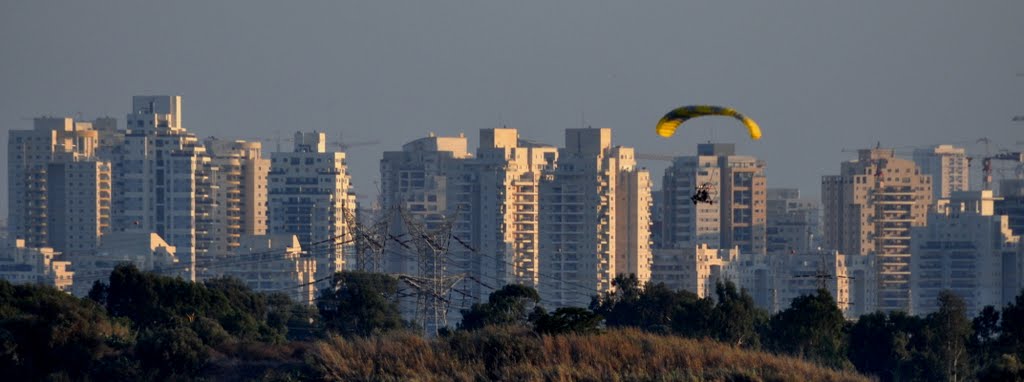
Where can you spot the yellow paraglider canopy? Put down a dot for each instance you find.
(668, 124)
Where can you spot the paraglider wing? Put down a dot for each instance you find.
(670, 122)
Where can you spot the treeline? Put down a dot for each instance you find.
(140, 326)
(943, 346)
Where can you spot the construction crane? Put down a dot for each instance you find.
(986, 165)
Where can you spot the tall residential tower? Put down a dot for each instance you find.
(58, 189)
(309, 198)
(594, 218)
(737, 216)
(870, 208)
(162, 179)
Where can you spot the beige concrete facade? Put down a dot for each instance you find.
(164, 179)
(949, 167)
(737, 218)
(240, 176)
(273, 264)
(21, 264)
(308, 196)
(493, 198)
(869, 209)
(59, 190)
(695, 269)
(146, 250)
(593, 187)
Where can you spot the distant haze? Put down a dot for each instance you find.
(817, 76)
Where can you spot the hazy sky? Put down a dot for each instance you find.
(818, 76)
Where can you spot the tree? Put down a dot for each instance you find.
(886, 345)
(152, 301)
(1012, 338)
(360, 304)
(567, 320)
(48, 334)
(736, 318)
(171, 351)
(812, 328)
(1003, 369)
(984, 343)
(695, 317)
(949, 333)
(621, 306)
(296, 320)
(509, 305)
(655, 307)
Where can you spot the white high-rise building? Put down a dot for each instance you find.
(949, 167)
(58, 190)
(594, 218)
(737, 216)
(415, 185)
(968, 249)
(491, 197)
(78, 197)
(309, 198)
(162, 179)
(507, 172)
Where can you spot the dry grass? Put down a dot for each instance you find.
(515, 354)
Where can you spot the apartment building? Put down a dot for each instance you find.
(273, 264)
(163, 179)
(793, 223)
(949, 167)
(490, 200)
(968, 249)
(308, 196)
(21, 264)
(240, 192)
(696, 269)
(594, 218)
(773, 281)
(58, 190)
(870, 208)
(147, 251)
(737, 185)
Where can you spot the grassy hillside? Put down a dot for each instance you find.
(518, 354)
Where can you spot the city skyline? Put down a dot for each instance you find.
(557, 218)
(902, 74)
(528, 190)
